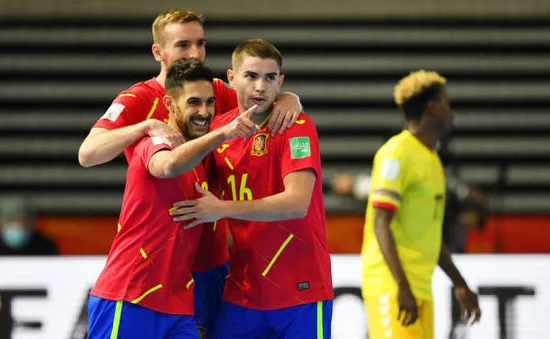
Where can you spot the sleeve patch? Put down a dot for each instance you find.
(299, 147)
(390, 169)
(160, 141)
(113, 112)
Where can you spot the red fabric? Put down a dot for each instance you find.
(139, 101)
(302, 272)
(151, 249)
(384, 205)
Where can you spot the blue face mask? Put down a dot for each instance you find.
(15, 236)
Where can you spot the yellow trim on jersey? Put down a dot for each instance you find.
(149, 291)
(300, 122)
(264, 273)
(152, 109)
(128, 95)
(189, 283)
(143, 254)
(265, 120)
(229, 163)
(215, 226)
(173, 209)
(118, 228)
(222, 148)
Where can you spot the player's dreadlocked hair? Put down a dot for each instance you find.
(414, 91)
(175, 15)
(183, 70)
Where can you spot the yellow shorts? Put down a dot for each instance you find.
(382, 320)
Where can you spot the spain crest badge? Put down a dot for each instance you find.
(259, 145)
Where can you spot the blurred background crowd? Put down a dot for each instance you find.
(62, 63)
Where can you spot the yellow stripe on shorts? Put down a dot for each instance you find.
(320, 331)
(116, 320)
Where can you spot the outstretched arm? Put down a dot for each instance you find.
(168, 164)
(292, 203)
(103, 145)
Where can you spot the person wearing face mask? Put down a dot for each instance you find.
(18, 235)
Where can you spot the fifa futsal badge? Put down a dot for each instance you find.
(259, 146)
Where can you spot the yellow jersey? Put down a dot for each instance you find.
(407, 178)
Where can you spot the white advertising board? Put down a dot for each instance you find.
(46, 297)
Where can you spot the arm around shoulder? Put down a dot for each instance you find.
(103, 145)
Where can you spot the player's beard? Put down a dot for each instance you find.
(189, 131)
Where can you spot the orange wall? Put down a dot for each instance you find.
(503, 233)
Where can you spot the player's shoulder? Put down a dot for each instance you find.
(220, 120)
(303, 123)
(142, 89)
(396, 147)
(303, 119)
(148, 141)
(219, 83)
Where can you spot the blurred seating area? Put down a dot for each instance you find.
(57, 77)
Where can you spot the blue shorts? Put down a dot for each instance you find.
(121, 320)
(208, 294)
(309, 321)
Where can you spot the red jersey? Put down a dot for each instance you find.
(274, 264)
(143, 101)
(151, 257)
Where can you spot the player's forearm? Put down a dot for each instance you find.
(447, 265)
(387, 246)
(277, 207)
(188, 155)
(103, 145)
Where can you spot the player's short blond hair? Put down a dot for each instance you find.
(257, 48)
(175, 15)
(415, 84)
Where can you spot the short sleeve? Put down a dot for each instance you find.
(226, 97)
(388, 179)
(301, 147)
(127, 109)
(149, 146)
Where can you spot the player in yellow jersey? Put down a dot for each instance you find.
(402, 241)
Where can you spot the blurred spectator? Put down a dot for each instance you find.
(466, 206)
(18, 234)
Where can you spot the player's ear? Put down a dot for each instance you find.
(281, 80)
(169, 103)
(431, 106)
(230, 77)
(156, 52)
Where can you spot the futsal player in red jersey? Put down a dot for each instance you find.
(146, 287)
(280, 283)
(139, 111)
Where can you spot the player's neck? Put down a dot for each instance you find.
(425, 135)
(175, 126)
(258, 119)
(161, 78)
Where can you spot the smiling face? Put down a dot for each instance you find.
(192, 108)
